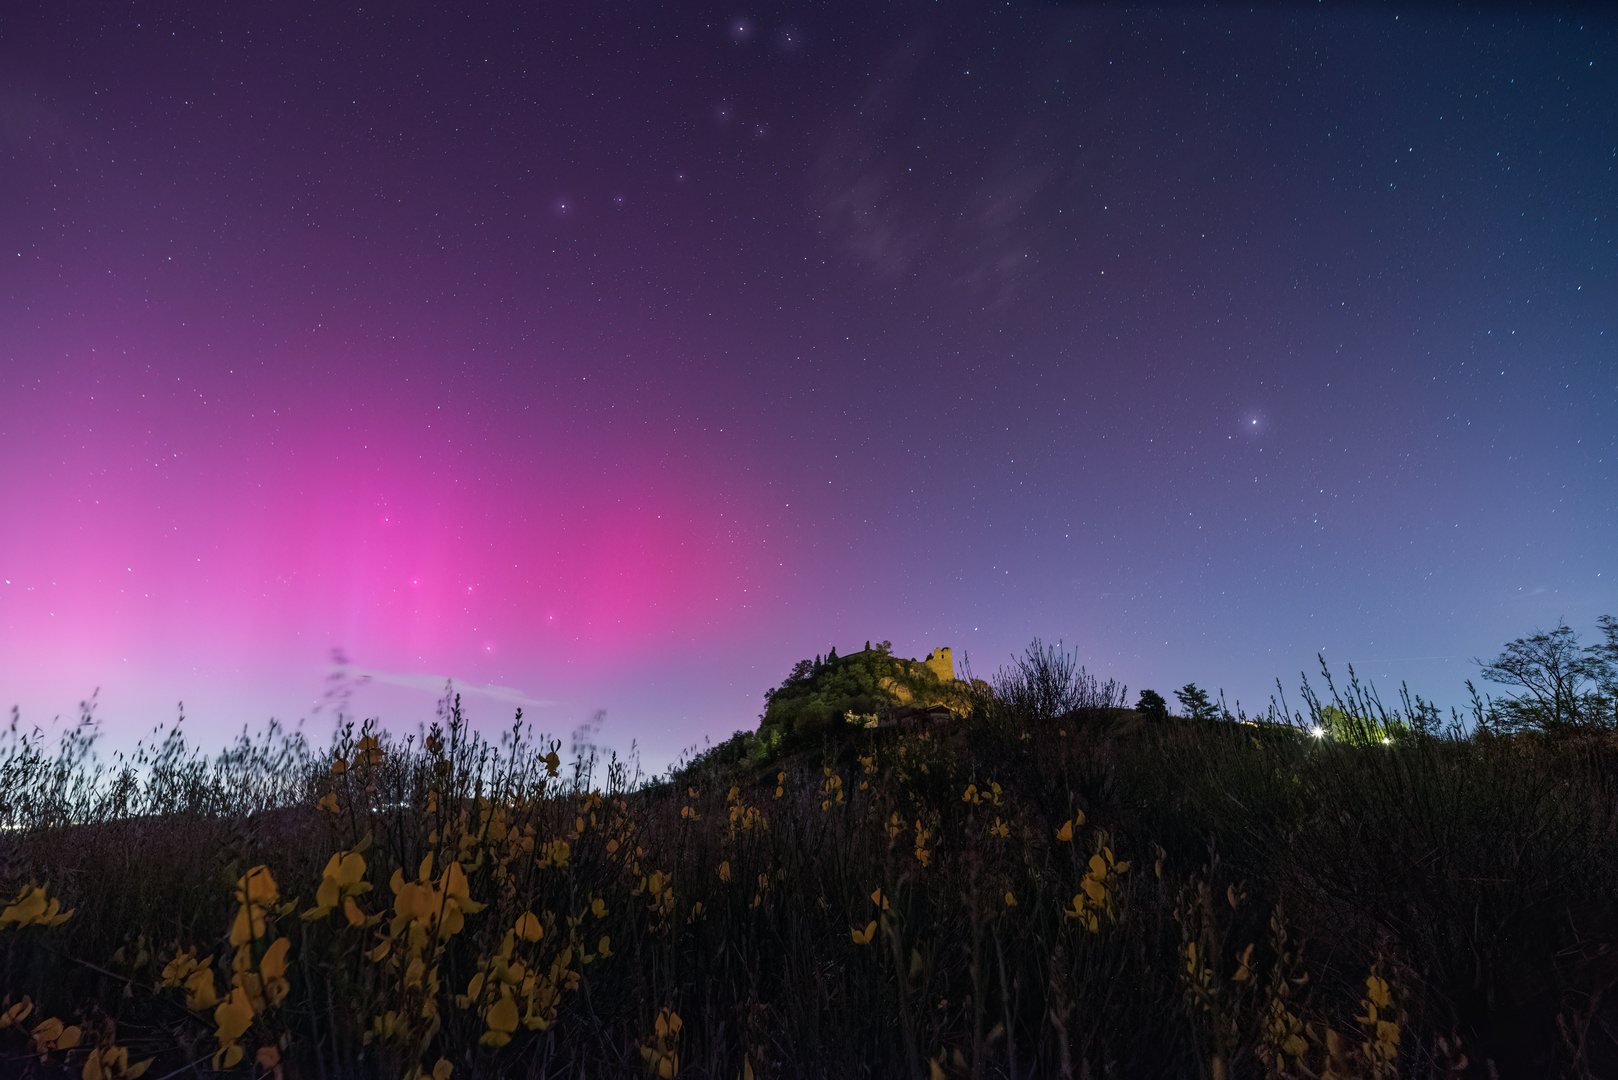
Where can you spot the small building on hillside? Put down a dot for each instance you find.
(917, 716)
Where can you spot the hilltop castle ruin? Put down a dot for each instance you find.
(941, 664)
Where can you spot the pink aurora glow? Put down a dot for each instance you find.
(226, 531)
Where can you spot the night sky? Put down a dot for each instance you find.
(618, 356)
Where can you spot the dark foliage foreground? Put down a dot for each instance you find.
(1049, 888)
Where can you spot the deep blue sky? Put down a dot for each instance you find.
(620, 355)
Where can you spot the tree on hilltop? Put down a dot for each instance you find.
(817, 694)
(1195, 703)
(1152, 705)
(1558, 684)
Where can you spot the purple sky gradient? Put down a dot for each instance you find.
(620, 357)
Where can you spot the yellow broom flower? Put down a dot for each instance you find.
(199, 988)
(352, 912)
(232, 1016)
(272, 971)
(343, 878)
(370, 750)
(16, 1014)
(274, 964)
(51, 1035)
(529, 928)
(502, 1020)
(112, 1063)
(34, 908)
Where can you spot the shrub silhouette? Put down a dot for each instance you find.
(1043, 887)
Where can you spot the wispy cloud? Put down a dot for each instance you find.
(435, 684)
(908, 195)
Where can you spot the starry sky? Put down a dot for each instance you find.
(616, 356)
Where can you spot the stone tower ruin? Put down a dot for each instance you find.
(941, 664)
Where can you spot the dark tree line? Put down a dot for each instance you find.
(1557, 683)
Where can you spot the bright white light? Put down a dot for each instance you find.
(1318, 732)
